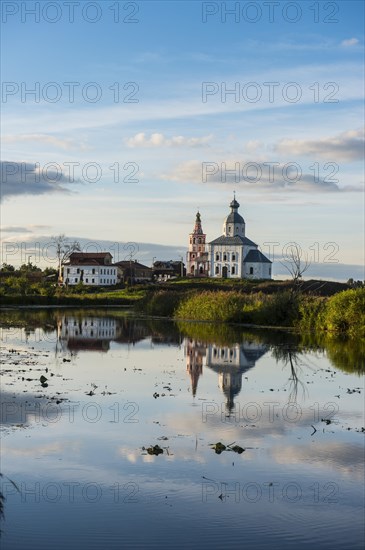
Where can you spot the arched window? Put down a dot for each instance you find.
(217, 257)
(233, 257)
(224, 257)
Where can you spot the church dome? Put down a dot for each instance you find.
(234, 224)
(234, 217)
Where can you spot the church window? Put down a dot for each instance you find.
(193, 241)
(224, 257)
(192, 270)
(86, 280)
(93, 271)
(233, 270)
(217, 257)
(233, 257)
(217, 269)
(251, 270)
(199, 240)
(229, 229)
(93, 280)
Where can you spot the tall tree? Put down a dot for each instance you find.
(64, 249)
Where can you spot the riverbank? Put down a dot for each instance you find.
(322, 306)
(341, 314)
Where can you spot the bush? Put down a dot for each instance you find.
(212, 306)
(345, 313)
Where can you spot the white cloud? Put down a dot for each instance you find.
(65, 144)
(159, 140)
(345, 147)
(349, 42)
(251, 176)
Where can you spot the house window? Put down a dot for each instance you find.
(251, 270)
(78, 271)
(233, 270)
(93, 271)
(68, 270)
(76, 280)
(93, 280)
(86, 280)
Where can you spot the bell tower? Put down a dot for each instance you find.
(197, 257)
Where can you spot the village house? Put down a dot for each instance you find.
(131, 271)
(163, 271)
(90, 268)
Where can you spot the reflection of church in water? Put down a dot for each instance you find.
(229, 362)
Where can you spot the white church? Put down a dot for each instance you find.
(232, 255)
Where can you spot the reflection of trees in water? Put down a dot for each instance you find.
(3, 499)
(347, 355)
(289, 355)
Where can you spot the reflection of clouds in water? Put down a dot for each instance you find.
(345, 458)
(176, 453)
(41, 450)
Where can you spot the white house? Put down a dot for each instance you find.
(233, 255)
(89, 268)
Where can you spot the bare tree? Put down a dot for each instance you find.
(64, 249)
(296, 265)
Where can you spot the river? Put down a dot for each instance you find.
(109, 426)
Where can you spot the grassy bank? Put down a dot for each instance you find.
(124, 297)
(319, 306)
(343, 313)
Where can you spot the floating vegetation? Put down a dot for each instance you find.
(155, 450)
(220, 447)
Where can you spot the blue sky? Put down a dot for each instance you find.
(140, 106)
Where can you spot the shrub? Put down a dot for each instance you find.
(345, 313)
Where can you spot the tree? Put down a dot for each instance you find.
(64, 249)
(295, 265)
(7, 268)
(27, 268)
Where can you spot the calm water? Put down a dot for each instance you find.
(75, 442)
